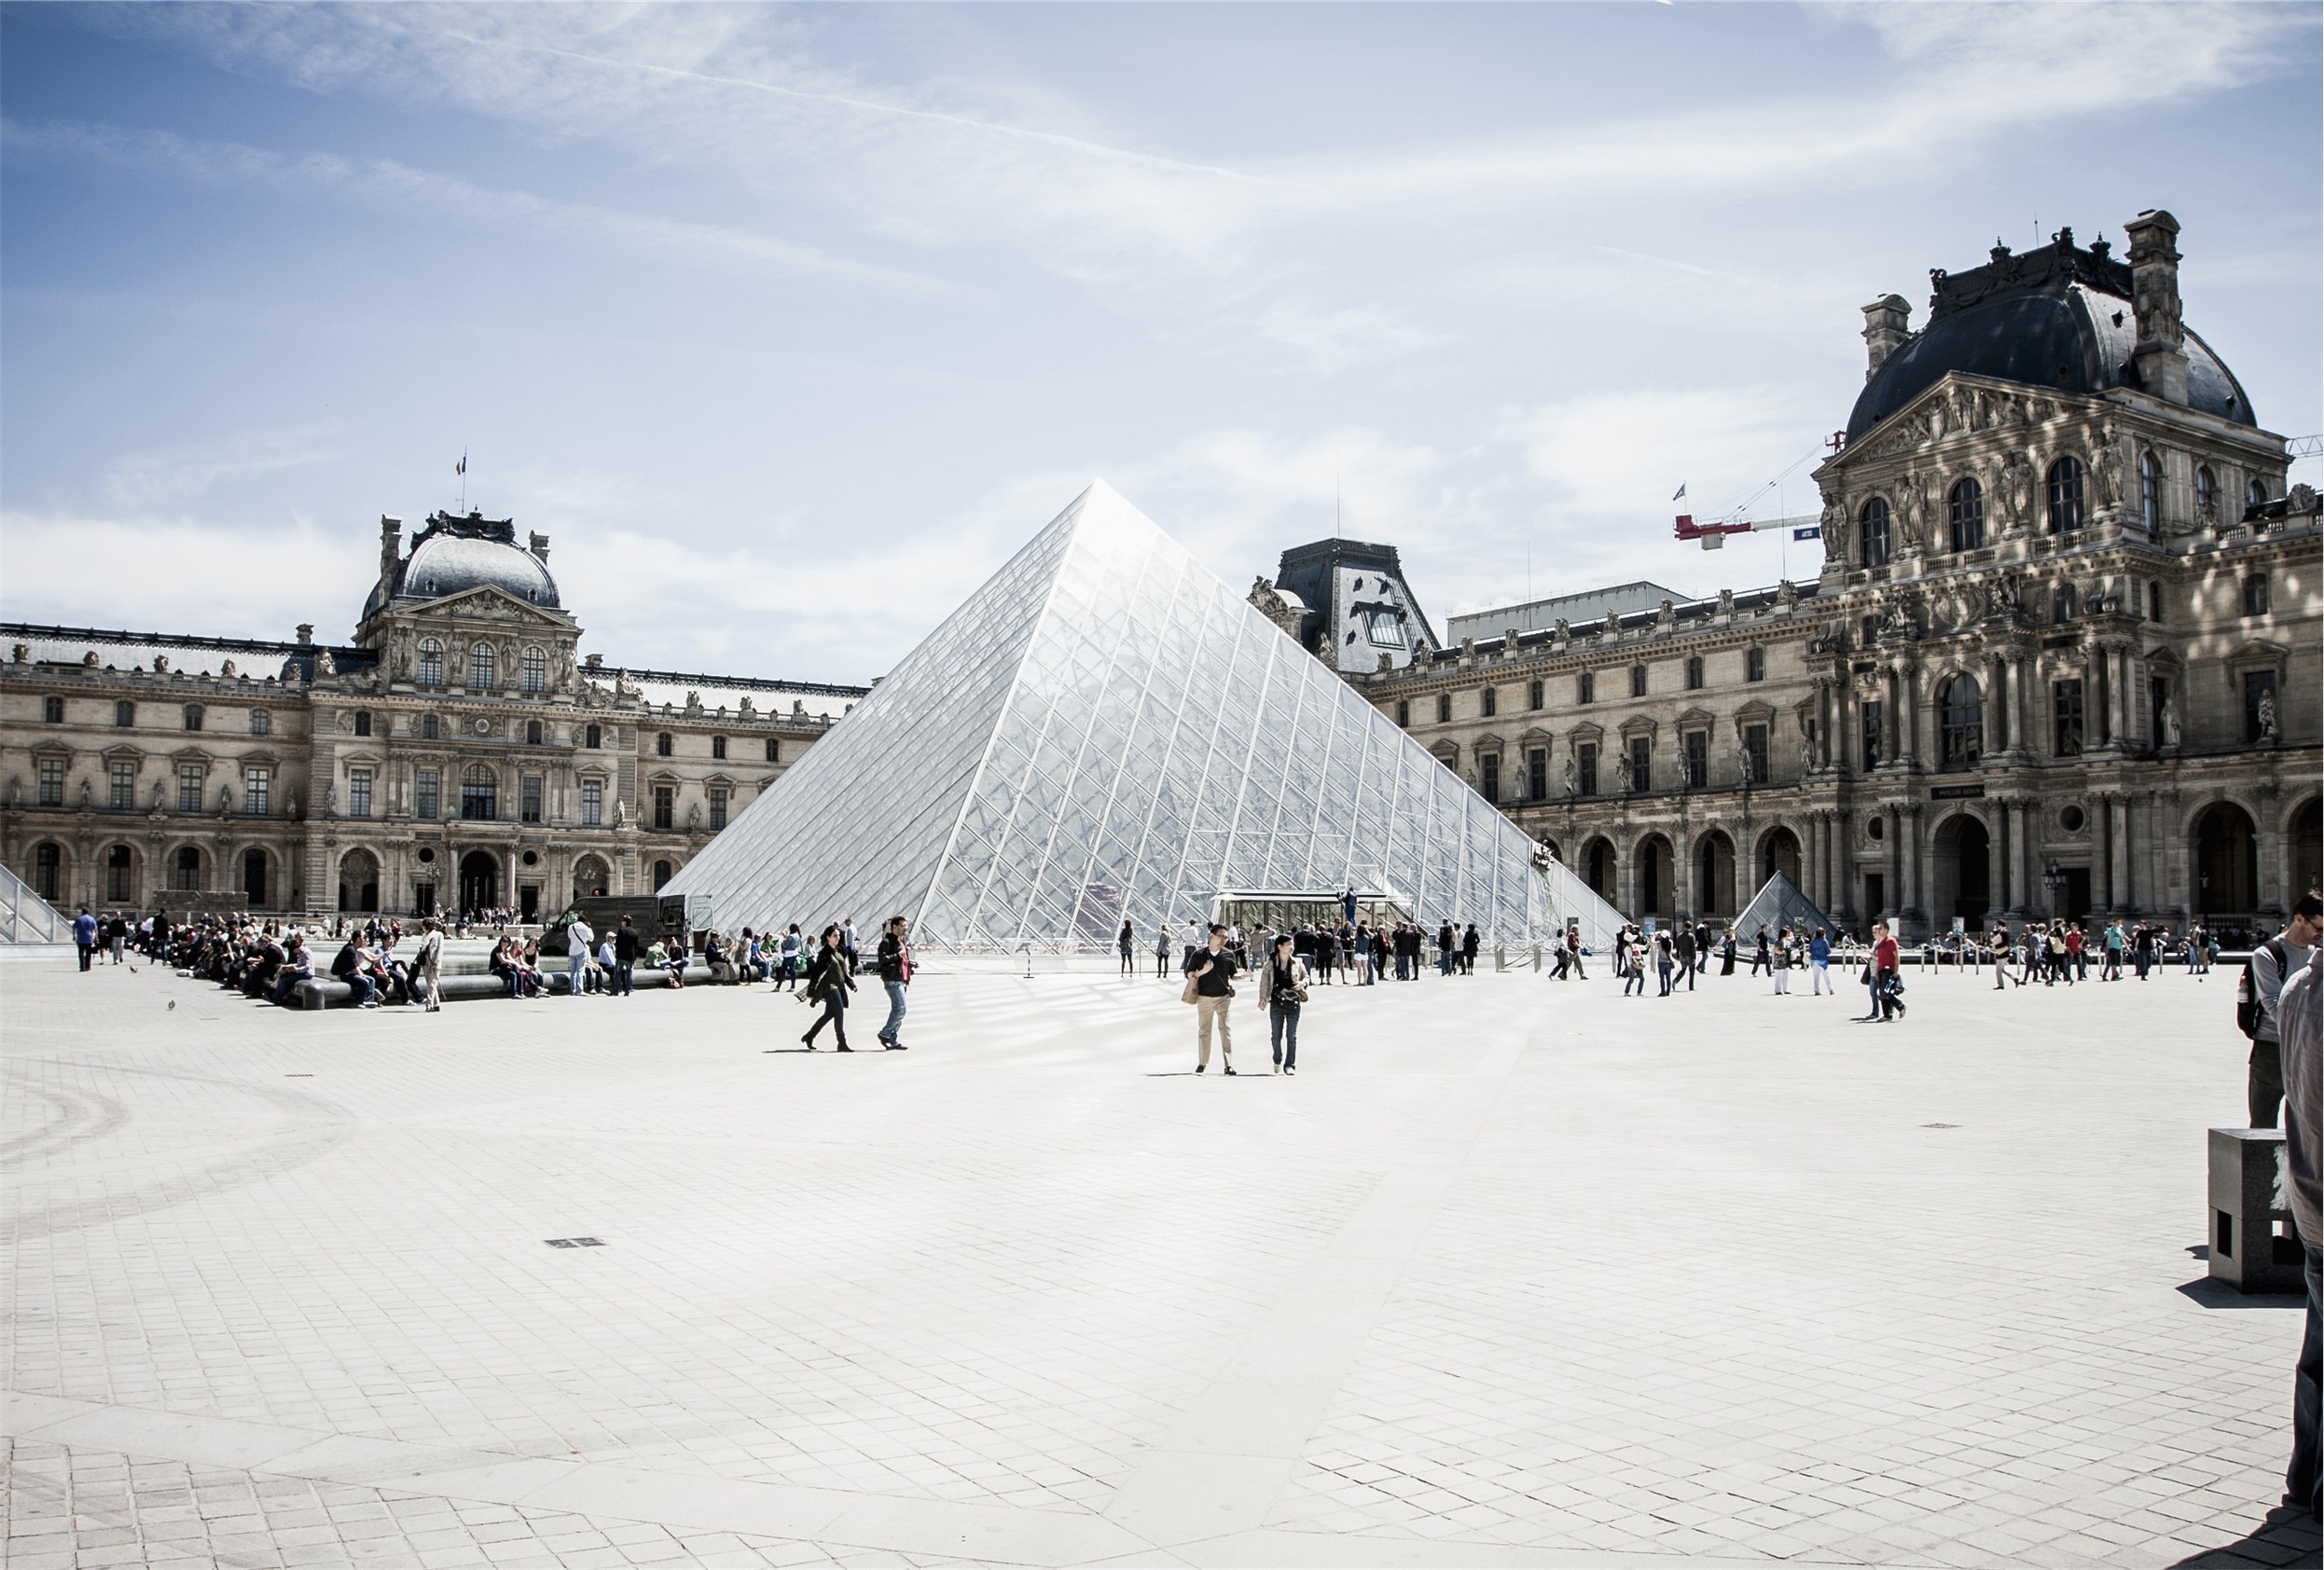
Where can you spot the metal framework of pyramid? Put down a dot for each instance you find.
(1105, 730)
(1779, 904)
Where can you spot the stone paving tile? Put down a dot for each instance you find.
(1702, 1284)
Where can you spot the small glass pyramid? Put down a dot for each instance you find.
(1106, 732)
(1779, 904)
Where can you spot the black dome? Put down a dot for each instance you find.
(2058, 318)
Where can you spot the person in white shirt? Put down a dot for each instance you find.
(578, 938)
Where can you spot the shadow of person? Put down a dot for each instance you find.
(2287, 1537)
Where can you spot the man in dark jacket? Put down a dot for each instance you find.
(895, 974)
(626, 951)
(348, 966)
(1686, 955)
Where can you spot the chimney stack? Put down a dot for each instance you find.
(1886, 326)
(2162, 352)
(306, 635)
(540, 546)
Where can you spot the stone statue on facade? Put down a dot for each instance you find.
(2267, 726)
(2170, 721)
(324, 665)
(1667, 617)
(1622, 770)
(1573, 780)
(1564, 630)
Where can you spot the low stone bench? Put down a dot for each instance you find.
(323, 994)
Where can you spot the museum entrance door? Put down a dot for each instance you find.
(480, 880)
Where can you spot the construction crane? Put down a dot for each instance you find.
(1714, 535)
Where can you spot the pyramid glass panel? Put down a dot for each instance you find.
(1777, 905)
(1107, 731)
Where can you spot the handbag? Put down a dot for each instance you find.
(1187, 994)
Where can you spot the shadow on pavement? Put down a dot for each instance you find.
(2287, 1537)
(2218, 1294)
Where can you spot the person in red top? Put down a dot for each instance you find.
(1884, 1002)
(2077, 968)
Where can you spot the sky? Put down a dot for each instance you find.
(789, 325)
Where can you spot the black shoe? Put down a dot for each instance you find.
(1200, 1066)
(810, 1042)
(1228, 1070)
(845, 1048)
(898, 1047)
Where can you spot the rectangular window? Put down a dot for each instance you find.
(479, 795)
(1697, 760)
(358, 792)
(431, 663)
(1637, 681)
(262, 724)
(1385, 629)
(1871, 733)
(535, 671)
(1488, 776)
(718, 747)
(1585, 687)
(2065, 718)
(121, 786)
(363, 722)
(1755, 664)
(1533, 694)
(426, 794)
(190, 787)
(2259, 704)
(193, 716)
(1444, 708)
(257, 783)
(593, 738)
(717, 809)
(1403, 712)
(52, 711)
(529, 799)
(124, 712)
(2255, 595)
(1641, 763)
(593, 803)
(774, 751)
(1755, 752)
(52, 781)
(1585, 766)
(1488, 702)
(665, 807)
(1537, 773)
(481, 668)
(429, 729)
(1694, 672)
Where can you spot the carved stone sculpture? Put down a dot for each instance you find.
(2170, 721)
(2267, 724)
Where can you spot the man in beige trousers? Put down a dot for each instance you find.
(1213, 969)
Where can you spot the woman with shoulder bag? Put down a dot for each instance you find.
(829, 980)
(1283, 982)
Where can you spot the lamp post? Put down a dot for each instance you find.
(2054, 881)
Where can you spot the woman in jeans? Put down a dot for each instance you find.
(1282, 987)
(828, 982)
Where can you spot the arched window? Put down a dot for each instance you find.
(1961, 719)
(49, 871)
(116, 874)
(661, 744)
(2064, 605)
(2149, 490)
(535, 671)
(663, 873)
(431, 662)
(479, 794)
(1693, 672)
(2207, 492)
(1967, 511)
(481, 671)
(2254, 491)
(188, 870)
(2065, 496)
(1874, 521)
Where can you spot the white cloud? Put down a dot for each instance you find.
(164, 574)
(158, 477)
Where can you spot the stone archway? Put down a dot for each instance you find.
(359, 883)
(2226, 865)
(1961, 871)
(1656, 877)
(591, 878)
(1714, 876)
(1780, 852)
(479, 881)
(1599, 870)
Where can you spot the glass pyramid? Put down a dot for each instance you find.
(1106, 731)
(1779, 904)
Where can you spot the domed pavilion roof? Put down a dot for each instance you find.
(453, 555)
(2058, 318)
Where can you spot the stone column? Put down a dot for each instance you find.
(2023, 688)
(1892, 720)
(1998, 731)
(1914, 871)
(1910, 682)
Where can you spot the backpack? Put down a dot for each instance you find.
(2248, 1014)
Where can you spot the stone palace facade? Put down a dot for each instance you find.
(2062, 658)
(457, 753)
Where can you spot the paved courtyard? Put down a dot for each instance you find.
(1512, 1273)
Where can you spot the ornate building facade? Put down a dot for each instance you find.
(2062, 658)
(459, 752)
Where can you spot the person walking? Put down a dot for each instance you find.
(1819, 965)
(1881, 971)
(85, 936)
(1780, 965)
(1470, 942)
(895, 975)
(1684, 944)
(1665, 962)
(1210, 972)
(116, 935)
(1128, 943)
(626, 951)
(579, 935)
(2300, 1019)
(427, 963)
(1761, 959)
(1726, 952)
(829, 980)
(1633, 963)
(1282, 990)
(2264, 974)
(1161, 951)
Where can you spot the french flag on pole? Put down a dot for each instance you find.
(461, 467)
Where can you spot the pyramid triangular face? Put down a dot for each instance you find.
(1105, 730)
(1778, 904)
